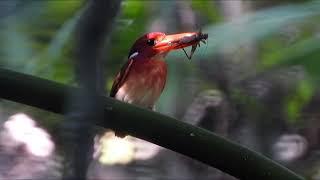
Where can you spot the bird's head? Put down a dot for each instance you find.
(157, 44)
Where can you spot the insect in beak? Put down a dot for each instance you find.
(200, 37)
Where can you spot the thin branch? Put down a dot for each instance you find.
(86, 107)
(162, 130)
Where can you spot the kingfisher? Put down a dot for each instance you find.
(142, 78)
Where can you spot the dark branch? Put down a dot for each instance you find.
(165, 131)
(85, 104)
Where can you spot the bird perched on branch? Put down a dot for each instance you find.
(143, 77)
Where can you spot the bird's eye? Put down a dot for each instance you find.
(151, 42)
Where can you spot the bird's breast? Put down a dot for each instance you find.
(144, 83)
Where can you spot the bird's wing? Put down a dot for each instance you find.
(121, 77)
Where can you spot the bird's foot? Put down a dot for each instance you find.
(120, 134)
(152, 108)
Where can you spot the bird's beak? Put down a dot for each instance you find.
(179, 41)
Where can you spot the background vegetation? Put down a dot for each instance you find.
(256, 82)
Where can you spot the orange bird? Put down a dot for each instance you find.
(143, 77)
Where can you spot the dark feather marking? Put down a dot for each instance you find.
(121, 77)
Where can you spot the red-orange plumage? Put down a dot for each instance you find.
(141, 82)
(143, 78)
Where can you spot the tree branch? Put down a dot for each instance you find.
(165, 131)
(85, 105)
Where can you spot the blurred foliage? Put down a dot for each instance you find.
(38, 38)
(257, 26)
(211, 13)
(286, 35)
(304, 52)
(37, 43)
(297, 100)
